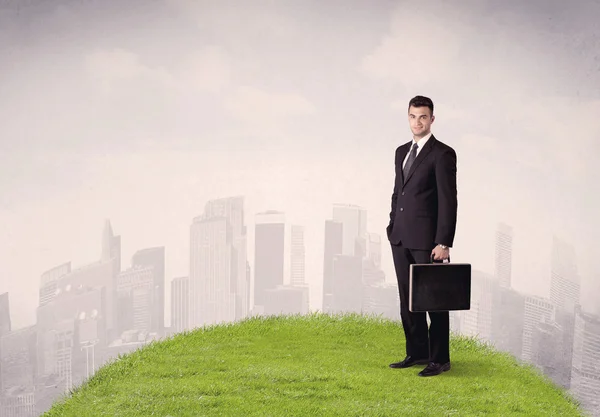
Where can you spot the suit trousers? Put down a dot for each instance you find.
(421, 342)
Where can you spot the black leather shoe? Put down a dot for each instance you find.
(435, 369)
(409, 361)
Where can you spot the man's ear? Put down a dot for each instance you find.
(432, 118)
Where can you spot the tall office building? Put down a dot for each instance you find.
(478, 320)
(155, 259)
(566, 320)
(552, 347)
(347, 294)
(111, 246)
(248, 285)
(73, 322)
(211, 290)
(378, 296)
(49, 282)
(564, 281)
(180, 304)
(503, 264)
(545, 349)
(382, 298)
(103, 273)
(345, 236)
(110, 263)
(537, 310)
(374, 249)
(233, 209)
(508, 312)
(18, 363)
(218, 291)
(333, 247)
(585, 377)
(297, 256)
(5, 324)
(269, 239)
(354, 225)
(136, 300)
(371, 274)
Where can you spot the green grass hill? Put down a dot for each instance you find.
(315, 365)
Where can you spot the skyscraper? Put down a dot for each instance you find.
(74, 320)
(478, 320)
(136, 302)
(564, 281)
(333, 247)
(374, 249)
(585, 377)
(354, 224)
(345, 248)
(180, 304)
(546, 349)
(154, 258)
(5, 324)
(217, 263)
(503, 264)
(110, 258)
(269, 237)
(552, 347)
(18, 363)
(347, 293)
(508, 313)
(297, 256)
(111, 247)
(49, 282)
(537, 310)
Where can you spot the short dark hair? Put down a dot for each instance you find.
(420, 101)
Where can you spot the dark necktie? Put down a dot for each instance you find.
(410, 160)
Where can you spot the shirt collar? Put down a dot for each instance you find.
(422, 141)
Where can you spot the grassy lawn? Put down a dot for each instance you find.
(315, 365)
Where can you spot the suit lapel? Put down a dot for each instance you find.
(420, 157)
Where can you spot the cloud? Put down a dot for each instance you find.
(489, 73)
(265, 110)
(560, 132)
(244, 22)
(467, 49)
(206, 70)
(113, 64)
(418, 54)
(484, 146)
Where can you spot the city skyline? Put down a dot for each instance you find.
(149, 113)
(316, 285)
(564, 282)
(492, 317)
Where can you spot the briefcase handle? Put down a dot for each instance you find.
(435, 261)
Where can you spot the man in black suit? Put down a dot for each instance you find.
(422, 226)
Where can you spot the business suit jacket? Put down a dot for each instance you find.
(424, 204)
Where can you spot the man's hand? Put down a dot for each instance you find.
(440, 253)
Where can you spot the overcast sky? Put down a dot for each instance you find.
(140, 112)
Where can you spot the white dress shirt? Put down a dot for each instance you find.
(420, 144)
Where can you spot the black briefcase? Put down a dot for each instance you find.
(439, 286)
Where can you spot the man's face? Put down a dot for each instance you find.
(420, 120)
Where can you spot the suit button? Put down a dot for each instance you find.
(402, 192)
(401, 209)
